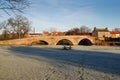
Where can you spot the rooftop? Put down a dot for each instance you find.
(114, 32)
(101, 29)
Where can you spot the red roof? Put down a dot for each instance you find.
(113, 32)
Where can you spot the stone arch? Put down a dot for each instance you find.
(64, 42)
(39, 42)
(42, 42)
(85, 41)
(34, 42)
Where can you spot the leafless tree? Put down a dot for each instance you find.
(85, 29)
(5, 29)
(9, 6)
(77, 30)
(20, 25)
(116, 29)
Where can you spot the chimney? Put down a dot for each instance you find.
(94, 28)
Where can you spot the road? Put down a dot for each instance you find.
(90, 62)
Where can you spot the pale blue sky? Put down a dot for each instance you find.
(66, 14)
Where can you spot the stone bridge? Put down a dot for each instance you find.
(52, 40)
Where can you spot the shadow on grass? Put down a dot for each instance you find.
(101, 61)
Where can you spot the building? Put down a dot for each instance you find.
(46, 33)
(55, 33)
(114, 34)
(35, 34)
(100, 33)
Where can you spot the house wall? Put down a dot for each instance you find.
(114, 35)
(95, 33)
(100, 35)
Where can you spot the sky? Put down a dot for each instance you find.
(62, 15)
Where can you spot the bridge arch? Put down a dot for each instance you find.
(39, 42)
(43, 42)
(85, 41)
(64, 42)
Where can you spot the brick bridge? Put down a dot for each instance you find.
(52, 40)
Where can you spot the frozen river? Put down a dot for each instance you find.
(87, 62)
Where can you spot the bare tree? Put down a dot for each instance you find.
(13, 5)
(116, 29)
(3, 26)
(6, 30)
(71, 32)
(85, 29)
(77, 30)
(20, 25)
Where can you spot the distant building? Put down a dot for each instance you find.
(55, 33)
(46, 33)
(100, 33)
(35, 34)
(114, 34)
